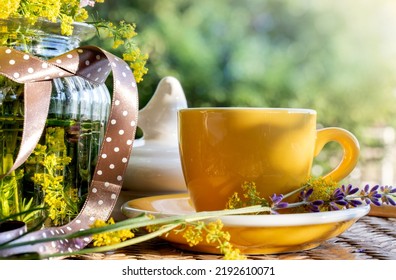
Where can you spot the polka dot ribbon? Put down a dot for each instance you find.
(94, 65)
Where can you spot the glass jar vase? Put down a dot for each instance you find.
(57, 174)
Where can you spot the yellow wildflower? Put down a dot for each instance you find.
(234, 202)
(193, 234)
(117, 43)
(61, 199)
(69, 11)
(212, 233)
(8, 8)
(215, 233)
(40, 149)
(323, 189)
(230, 253)
(137, 63)
(109, 238)
(127, 30)
(152, 228)
(66, 25)
(81, 15)
(250, 197)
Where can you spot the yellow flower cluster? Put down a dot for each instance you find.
(197, 232)
(69, 11)
(61, 199)
(123, 36)
(112, 237)
(194, 233)
(65, 11)
(323, 188)
(137, 62)
(250, 196)
(8, 8)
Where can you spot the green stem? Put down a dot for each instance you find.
(112, 247)
(11, 186)
(16, 215)
(295, 191)
(143, 221)
(295, 204)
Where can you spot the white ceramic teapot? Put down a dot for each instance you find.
(154, 167)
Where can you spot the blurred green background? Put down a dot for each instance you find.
(337, 57)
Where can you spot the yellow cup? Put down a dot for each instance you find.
(221, 148)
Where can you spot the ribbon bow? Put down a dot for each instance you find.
(93, 64)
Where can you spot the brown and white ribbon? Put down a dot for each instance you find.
(93, 64)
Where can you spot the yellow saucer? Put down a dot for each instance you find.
(254, 234)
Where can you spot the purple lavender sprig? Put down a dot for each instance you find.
(349, 196)
(277, 203)
(311, 206)
(371, 196)
(304, 201)
(378, 195)
(344, 197)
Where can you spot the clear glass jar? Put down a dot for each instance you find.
(58, 173)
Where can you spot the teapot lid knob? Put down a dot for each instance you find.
(158, 119)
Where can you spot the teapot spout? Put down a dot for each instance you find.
(158, 119)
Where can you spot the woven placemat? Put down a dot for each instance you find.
(369, 238)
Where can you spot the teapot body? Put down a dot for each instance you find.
(154, 167)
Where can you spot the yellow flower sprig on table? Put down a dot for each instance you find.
(160, 226)
(213, 233)
(194, 233)
(112, 237)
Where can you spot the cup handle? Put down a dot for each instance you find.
(351, 150)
